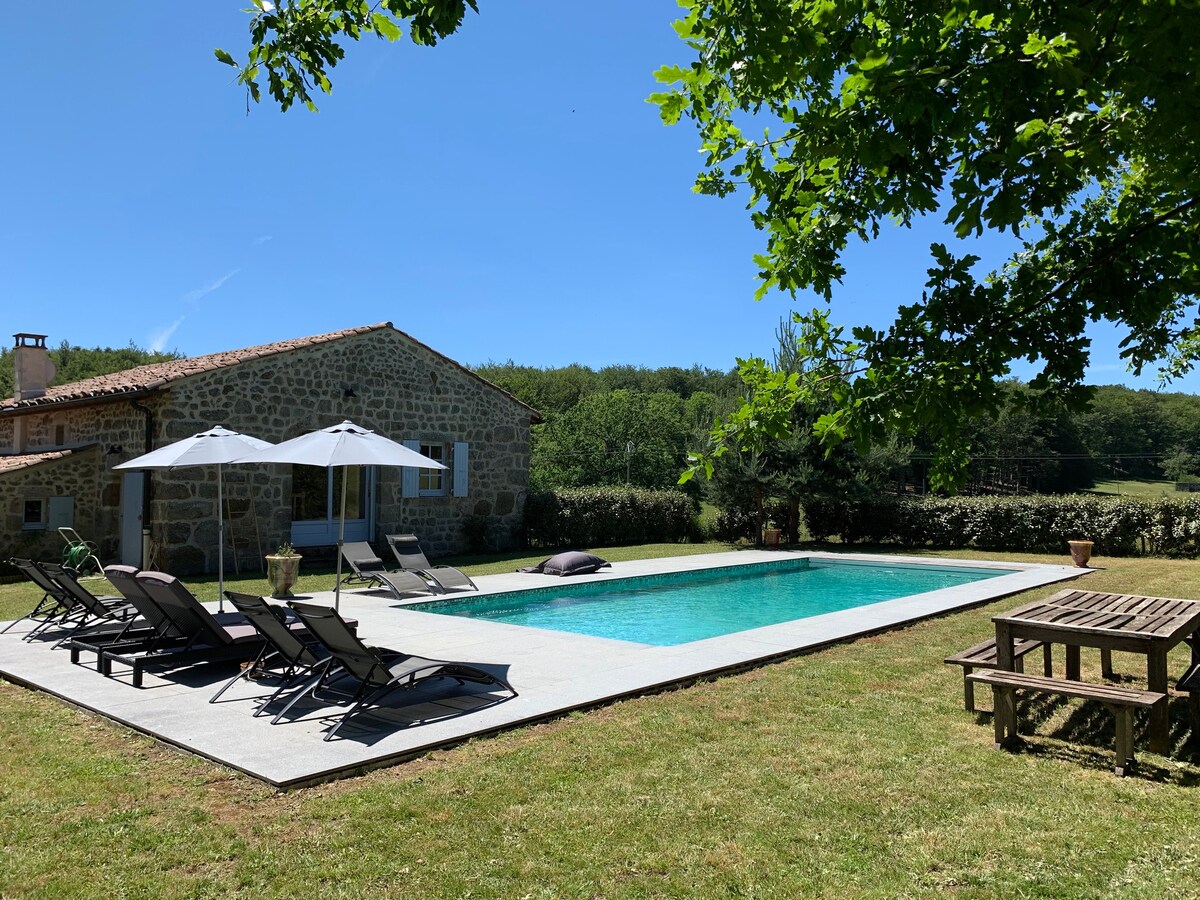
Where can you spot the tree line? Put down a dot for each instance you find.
(626, 424)
(636, 425)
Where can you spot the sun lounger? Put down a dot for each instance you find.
(365, 566)
(66, 603)
(51, 609)
(292, 654)
(151, 630)
(204, 639)
(408, 553)
(377, 670)
(115, 612)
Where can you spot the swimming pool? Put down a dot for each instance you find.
(680, 607)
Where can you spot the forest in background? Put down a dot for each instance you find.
(634, 425)
(629, 424)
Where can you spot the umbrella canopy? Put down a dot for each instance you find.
(216, 446)
(346, 444)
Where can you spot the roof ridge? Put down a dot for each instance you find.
(148, 377)
(152, 376)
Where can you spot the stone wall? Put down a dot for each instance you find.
(400, 388)
(114, 430)
(77, 476)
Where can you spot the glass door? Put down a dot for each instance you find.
(316, 502)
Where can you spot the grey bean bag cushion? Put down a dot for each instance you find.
(570, 563)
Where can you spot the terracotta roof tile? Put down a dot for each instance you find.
(25, 460)
(156, 375)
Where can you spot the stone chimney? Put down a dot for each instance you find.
(32, 369)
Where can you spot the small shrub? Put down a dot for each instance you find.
(477, 531)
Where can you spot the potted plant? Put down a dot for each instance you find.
(771, 534)
(283, 566)
(1081, 552)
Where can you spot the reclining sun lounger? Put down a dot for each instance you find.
(294, 654)
(202, 638)
(113, 612)
(365, 566)
(377, 670)
(408, 553)
(150, 630)
(65, 602)
(54, 605)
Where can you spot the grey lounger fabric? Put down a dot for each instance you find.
(105, 613)
(376, 670)
(52, 609)
(291, 653)
(203, 638)
(365, 566)
(408, 552)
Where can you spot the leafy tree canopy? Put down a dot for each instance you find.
(1069, 124)
(617, 437)
(294, 44)
(553, 391)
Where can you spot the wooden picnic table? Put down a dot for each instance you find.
(1076, 618)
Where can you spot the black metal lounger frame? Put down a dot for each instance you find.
(371, 666)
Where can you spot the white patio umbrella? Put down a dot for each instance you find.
(216, 446)
(338, 446)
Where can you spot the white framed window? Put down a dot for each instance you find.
(450, 481)
(432, 482)
(33, 515)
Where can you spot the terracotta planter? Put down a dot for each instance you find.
(1081, 552)
(282, 572)
(771, 536)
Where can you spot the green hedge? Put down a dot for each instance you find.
(1119, 526)
(606, 516)
(732, 525)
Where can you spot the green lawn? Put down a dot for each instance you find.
(1129, 488)
(853, 772)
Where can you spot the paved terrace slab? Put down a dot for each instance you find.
(553, 671)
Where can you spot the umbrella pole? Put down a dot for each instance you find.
(337, 587)
(220, 543)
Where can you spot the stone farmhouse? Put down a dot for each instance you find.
(58, 446)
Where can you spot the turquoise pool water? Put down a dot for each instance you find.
(675, 608)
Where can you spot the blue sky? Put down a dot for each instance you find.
(508, 194)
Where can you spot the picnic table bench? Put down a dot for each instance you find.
(984, 656)
(1120, 701)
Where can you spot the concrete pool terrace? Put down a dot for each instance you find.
(554, 672)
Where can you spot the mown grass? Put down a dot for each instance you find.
(1133, 488)
(852, 772)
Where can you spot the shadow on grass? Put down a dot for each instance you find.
(1087, 736)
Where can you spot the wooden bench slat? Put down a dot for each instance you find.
(1106, 693)
(985, 654)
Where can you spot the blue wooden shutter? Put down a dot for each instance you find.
(458, 487)
(410, 481)
(61, 513)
